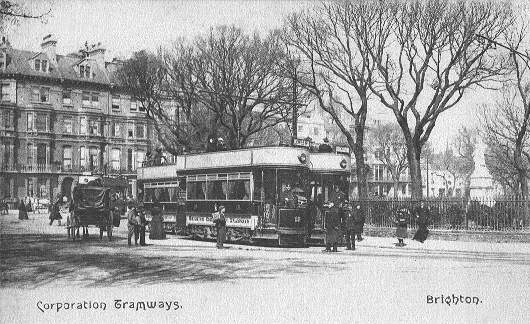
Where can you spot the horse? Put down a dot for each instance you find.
(74, 223)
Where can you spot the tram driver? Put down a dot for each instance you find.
(337, 197)
(287, 197)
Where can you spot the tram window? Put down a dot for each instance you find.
(239, 189)
(217, 190)
(173, 194)
(269, 179)
(149, 194)
(162, 194)
(196, 190)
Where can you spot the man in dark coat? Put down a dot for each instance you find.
(349, 226)
(287, 197)
(142, 222)
(219, 221)
(337, 197)
(211, 143)
(132, 223)
(333, 229)
(358, 221)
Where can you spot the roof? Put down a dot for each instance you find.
(20, 63)
(290, 157)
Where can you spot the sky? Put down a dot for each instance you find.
(127, 26)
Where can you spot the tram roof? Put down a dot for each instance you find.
(278, 156)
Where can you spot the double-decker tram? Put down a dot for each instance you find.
(267, 192)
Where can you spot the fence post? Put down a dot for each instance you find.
(465, 212)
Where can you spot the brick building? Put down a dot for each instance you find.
(62, 115)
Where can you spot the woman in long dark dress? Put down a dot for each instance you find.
(422, 220)
(22, 212)
(156, 226)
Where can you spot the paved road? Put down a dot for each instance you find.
(378, 282)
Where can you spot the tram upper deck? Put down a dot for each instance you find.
(250, 158)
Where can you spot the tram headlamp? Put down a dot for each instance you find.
(302, 158)
(343, 164)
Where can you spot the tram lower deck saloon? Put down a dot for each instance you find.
(268, 192)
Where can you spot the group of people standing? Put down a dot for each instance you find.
(344, 219)
(136, 224)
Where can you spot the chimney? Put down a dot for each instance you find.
(48, 46)
(97, 52)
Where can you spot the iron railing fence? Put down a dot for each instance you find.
(480, 214)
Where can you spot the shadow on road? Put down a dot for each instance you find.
(33, 261)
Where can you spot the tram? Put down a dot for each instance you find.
(251, 184)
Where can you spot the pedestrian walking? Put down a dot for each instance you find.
(142, 222)
(22, 212)
(358, 220)
(132, 223)
(422, 219)
(55, 213)
(333, 229)
(220, 224)
(349, 228)
(401, 221)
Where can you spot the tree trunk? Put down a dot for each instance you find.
(396, 187)
(413, 158)
(358, 152)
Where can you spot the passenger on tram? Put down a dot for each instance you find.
(325, 147)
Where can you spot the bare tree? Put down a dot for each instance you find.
(241, 83)
(430, 58)
(464, 145)
(508, 146)
(388, 144)
(503, 125)
(11, 13)
(179, 121)
(337, 69)
(225, 83)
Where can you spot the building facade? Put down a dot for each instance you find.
(62, 116)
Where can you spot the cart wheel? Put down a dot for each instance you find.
(279, 240)
(73, 233)
(109, 232)
(68, 231)
(100, 233)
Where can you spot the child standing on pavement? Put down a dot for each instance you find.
(401, 222)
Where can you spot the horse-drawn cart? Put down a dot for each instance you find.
(92, 206)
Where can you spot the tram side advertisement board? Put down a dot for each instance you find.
(231, 221)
